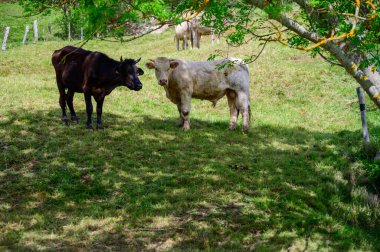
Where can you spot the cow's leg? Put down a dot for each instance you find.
(99, 110)
(199, 41)
(185, 110)
(70, 97)
(177, 42)
(186, 44)
(192, 38)
(234, 113)
(244, 107)
(180, 123)
(183, 43)
(62, 102)
(89, 109)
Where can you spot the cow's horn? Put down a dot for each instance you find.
(121, 58)
(137, 61)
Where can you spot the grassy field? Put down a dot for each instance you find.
(143, 184)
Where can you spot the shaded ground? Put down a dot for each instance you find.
(143, 184)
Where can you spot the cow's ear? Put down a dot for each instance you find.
(121, 58)
(149, 65)
(173, 64)
(140, 71)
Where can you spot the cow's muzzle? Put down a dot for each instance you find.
(163, 82)
(134, 85)
(138, 87)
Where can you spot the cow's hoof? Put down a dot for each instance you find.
(185, 128)
(65, 121)
(74, 120)
(99, 127)
(232, 127)
(89, 127)
(180, 124)
(245, 130)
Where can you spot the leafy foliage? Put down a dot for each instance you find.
(324, 18)
(108, 18)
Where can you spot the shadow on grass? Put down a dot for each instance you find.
(142, 184)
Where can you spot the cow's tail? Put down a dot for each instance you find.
(250, 112)
(245, 67)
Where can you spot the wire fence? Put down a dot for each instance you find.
(32, 33)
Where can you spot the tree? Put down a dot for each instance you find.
(343, 32)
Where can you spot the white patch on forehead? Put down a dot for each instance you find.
(161, 59)
(161, 62)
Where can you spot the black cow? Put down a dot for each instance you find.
(94, 74)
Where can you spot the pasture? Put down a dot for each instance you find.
(292, 183)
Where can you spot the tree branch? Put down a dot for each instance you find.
(200, 8)
(137, 36)
(329, 61)
(258, 55)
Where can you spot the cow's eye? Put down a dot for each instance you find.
(156, 68)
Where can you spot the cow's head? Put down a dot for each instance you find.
(163, 67)
(129, 73)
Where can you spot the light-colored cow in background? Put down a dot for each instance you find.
(198, 30)
(183, 80)
(193, 30)
(183, 32)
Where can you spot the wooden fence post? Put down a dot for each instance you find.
(35, 29)
(366, 141)
(25, 34)
(4, 46)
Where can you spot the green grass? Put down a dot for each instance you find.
(143, 184)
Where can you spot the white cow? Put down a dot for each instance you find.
(182, 32)
(183, 80)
